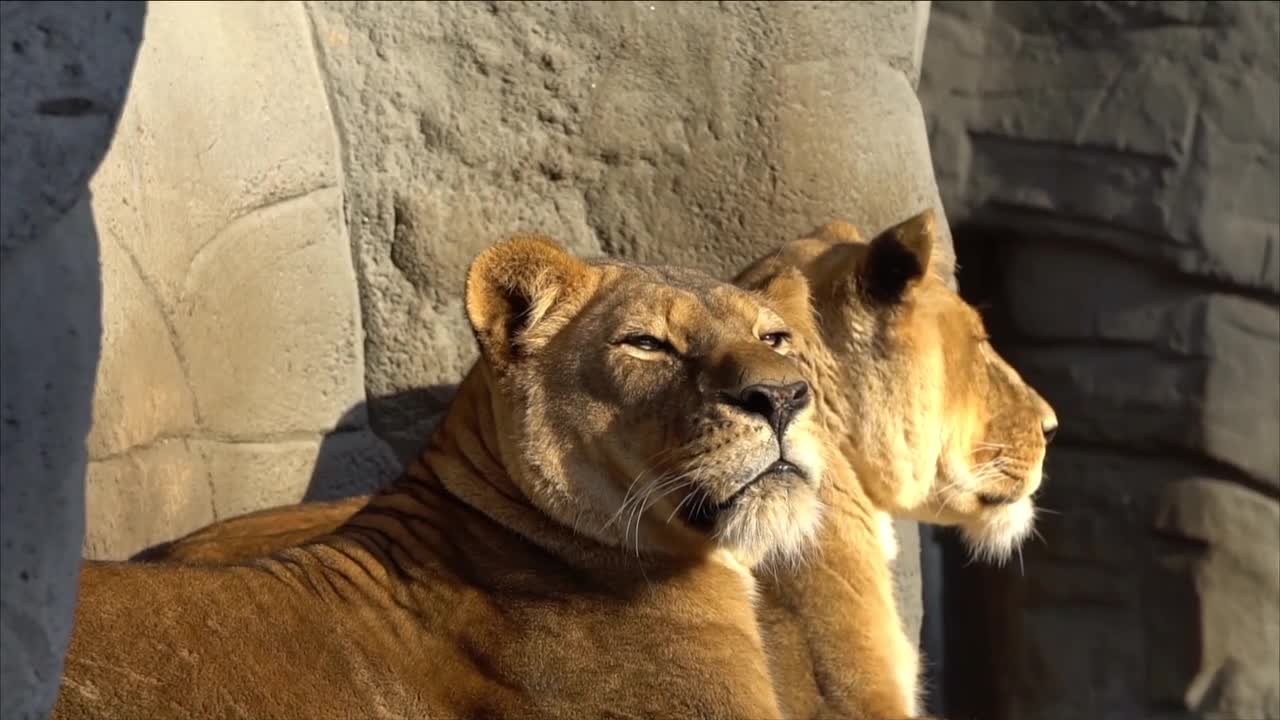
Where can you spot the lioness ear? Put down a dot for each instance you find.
(788, 294)
(510, 289)
(898, 258)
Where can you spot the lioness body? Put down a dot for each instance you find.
(256, 534)
(480, 624)
(575, 542)
(833, 641)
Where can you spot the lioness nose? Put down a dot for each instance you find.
(1049, 428)
(776, 403)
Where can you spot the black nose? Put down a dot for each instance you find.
(776, 403)
(1049, 428)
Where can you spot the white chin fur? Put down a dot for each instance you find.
(888, 538)
(768, 530)
(999, 532)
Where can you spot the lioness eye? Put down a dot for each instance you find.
(647, 343)
(775, 339)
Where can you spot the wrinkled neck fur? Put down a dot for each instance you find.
(833, 409)
(465, 455)
(469, 460)
(840, 419)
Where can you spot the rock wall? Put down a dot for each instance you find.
(1112, 170)
(682, 132)
(232, 355)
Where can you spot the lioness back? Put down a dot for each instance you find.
(326, 631)
(256, 534)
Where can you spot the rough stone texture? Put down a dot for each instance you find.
(231, 340)
(1147, 361)
(1157, 136)
(695, 133)
(1112, 169)
(656, 131)
(64, 69)
(1143, 551)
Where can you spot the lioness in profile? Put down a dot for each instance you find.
(939, 426)
(574, 543)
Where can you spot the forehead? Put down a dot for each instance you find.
(956, 318)
(683, 297)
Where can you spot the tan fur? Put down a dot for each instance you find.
(574, 542)
(256, 534)
(937, 425)
(931, 416)
(810, 611)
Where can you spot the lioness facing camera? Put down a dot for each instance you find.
(574, 542)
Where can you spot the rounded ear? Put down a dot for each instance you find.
(510, 289)
(788, 294)
(898, 258)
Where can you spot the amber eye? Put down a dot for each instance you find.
(776, 340)
(648, 343)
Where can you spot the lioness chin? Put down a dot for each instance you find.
(574, 542)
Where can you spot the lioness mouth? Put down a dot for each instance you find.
(991, 500)
(703, 514)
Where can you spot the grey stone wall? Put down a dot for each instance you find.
(1112, 170)
(232, 373)
(686, 132)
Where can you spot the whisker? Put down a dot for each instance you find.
(662, 490)
(631, 494)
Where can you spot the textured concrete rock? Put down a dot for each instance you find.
(351, 462)
(1146, 359)
(1116, 167)
(146, 496)
(1237, 599)
(64, 68)
(1142, 549)
(342, 464)
(232, 327)
(655, 131)
(1149, 128)
(142, 391)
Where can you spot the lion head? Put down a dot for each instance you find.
(937, 425)
(648, 407)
